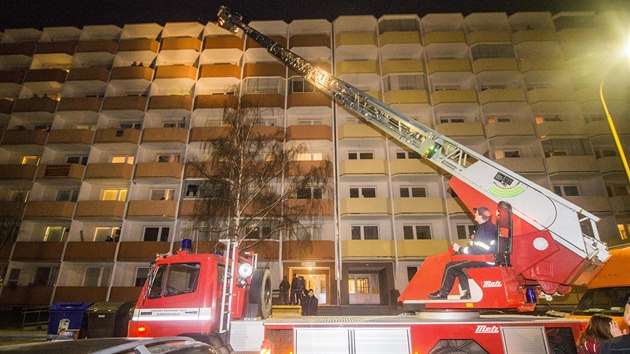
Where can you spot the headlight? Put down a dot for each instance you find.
(245, 270)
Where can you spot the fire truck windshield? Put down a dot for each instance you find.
(174, 279)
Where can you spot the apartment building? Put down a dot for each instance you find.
(102, 120)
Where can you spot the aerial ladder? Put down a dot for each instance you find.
(555, 242)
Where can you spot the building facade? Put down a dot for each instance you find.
(102, 120)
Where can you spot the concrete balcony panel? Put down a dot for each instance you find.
(523, 164)
(219, 70)
(72, 171)
(223, 42)
(367, 249)
(578, 35)
(136, 103)
(571, 164)
(27, 296)
(560, 128)
(461, 129)
(534, 35)
(264, 69)
(526, 65)
(41, 75)
(263, 100)
(70, 136)
(316, 250)
(454, 96)
(97, 46)
(411, 167)
(393, 38)
(18, 172)
(309, 132)
(6, 106)
(176, 72)
(132, 251)
(308, 99)
(191, 207)
(488, 36)
(421, 248)
(180, 43)
(138, 44)
(309, 40)
(152, 208)
(89, 74)
(216, 101)
(550, 95)
(311, 207)
(100, 209)
(448, 65)
(251, 44)
(406, 97)
(163, 135)
(592, 203)
(620, 204)
(158, 169)
(610, 164)
(10, 209)
(455, 206)
(362, 167)
(124, 293)
(49, 209)
(108, 170)
(117, 136)
(37, 251)
(357, 67)
(355, 38)
(348, 131)
(402, 66)
(502, 95)
(99, 251)
(365, 206)
(20, 48)
(86, 294)
(502, 129)
(12, 77)
(65, 47)
(494, 64)
(35, 105)
(132, 73)
(171, 102)
(443, 37)
(208, 133)
(301, 168)
(419, 206)
(90, 104)
(24, 137)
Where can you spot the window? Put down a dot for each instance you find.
(137, 126)
(312, 232)
(298, 84)
(444, 120)
(162, 194)
(268, 85)
(107, 233)
(566, 191)
(266, 123)
(604, 152)
(77, 160)
(202, 189)
(623, 231)
(30, 160)
(45, 276)
(398, 25)
(97, 276)
(498, 119)
(128, 159)
(362, 192)
(166, 157)
(310, 156)
(361, 155)
(14, 277)
(368, 232)
(547, 118)
(176, 279)
(258, 232)
(615, 190)
(411, 272)
(180, 124)
(494, 50)
(509, 154)
(404, 82)
(156, 233)
(55, 233)
(417, 232)
(413, 192)
(114, 194)
(400, 155)
(309, 122)
(309, 193)
(464, 230)
(142, 273)
(19, 196)
(69, 195)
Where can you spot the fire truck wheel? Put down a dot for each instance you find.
(260, 292)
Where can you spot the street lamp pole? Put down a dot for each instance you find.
(611, 124)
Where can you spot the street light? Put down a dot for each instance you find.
(611, 124)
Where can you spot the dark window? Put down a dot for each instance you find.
(411, 271)
(152, 233)
(180, 278)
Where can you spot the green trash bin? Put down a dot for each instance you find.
(108, 319)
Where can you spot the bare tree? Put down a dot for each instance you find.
(10, 212)
(253, 186)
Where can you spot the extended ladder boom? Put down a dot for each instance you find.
(538, 206)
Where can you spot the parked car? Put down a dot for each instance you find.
(166, 345)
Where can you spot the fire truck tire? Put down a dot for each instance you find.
(260, 292)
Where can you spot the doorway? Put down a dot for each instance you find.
(315, 278)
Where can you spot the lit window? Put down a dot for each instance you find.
(30, 160)
(55, 233)
(123, 159)
(114, 194)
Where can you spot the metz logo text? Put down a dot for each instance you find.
(487, 329)
(492, 284)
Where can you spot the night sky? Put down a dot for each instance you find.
(50, 13)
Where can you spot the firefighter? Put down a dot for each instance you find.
(296, 290)
(483, 241)
(309, 304)
(284, 290)
(620, 343)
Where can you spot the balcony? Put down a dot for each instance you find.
(488, 36)
(364, 206)
(317, 207)
(19, 172)
(180, 44)
(216, 102)
(367, 249)
(124, 293)
(394, 38)
(414, 249)
(594, 204)
(309, 132)
(51, 172)
(37, 251)
(21, 48)
(317, 250)
(179, 102)
(468, 129)
(411, 167)
(560, 128)
(251, 44)
(208, 71)
(494, 64)
(127, 103)
(503, 129)
(534, 35)
(152, 209)
(309, 40)
(454, 96)
(419, 206)
(610, 164)
(348, 131)
(362, 167)
(403, 66)
(264, 69)
(141, 251)
(100, 209)
(97, 46)
(406, 97)
(571, 164)
(355, 38)
(550, 95)
(65, 47)
(70, 136)
(136, 73)
(79, 104)
(90, 251)
(15, 77)
(223, 42)
(24, 137)
(45, 104)
(80, 294)
(190, 207)
(262, 100)
(502, 95)
(29, 296)
(49, 209)
(523, 164)
(443, 37)
(57, 76)
(165, 135)
(308, 99)
(130, 136)
(158, 170)
(527, 65)
(300, 168)
(6, 106)
(455, 207)
(357, 67)
(620, 204)
(448, 66)
(176, 72)
(89, 74)
(208, 133)
(138, 44)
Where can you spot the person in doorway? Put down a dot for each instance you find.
(483, 241)
(284, 290)
(296, 290)
(310, 304)
(620, 341)
(597, 331)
